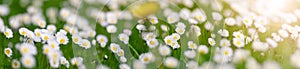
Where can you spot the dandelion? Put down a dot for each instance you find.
(102, 40)
(164, 50)
(124, 66)
(8, 33)
(192, 45)
(147, 57)
(124, 38)
(238, 42)
(190, 54)
(111, 29)
(202, 49)
(15, 64)
(28, 61)
(114, 47)
(211, 42)
(152, 43)
(85, 43)
(171, 62)
(77, 61)
(224, 43)
(8, 52)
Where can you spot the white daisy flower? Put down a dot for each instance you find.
(4, 10)
(76, 39)
(153, 19)
(41, 23)
(164, 28)
(28, 49)
(199, 15)
(192, 45)
(262, 29)
(192, 21)
(180, 30)
(62, 39)
(238, 34)
(54, 63)
(217, 16)
(127, 32)
(152, 43)
(224, 42)
(47, 49)
(271, 42)
(77, 61)
(123, 59)
(8, 52)
(259, 46)
(23, 31)
(188, 3)
(124, 66)
(192, 65)
(238, 42)
(211, 42)
(223, 32)
(114, 47)
(64, 61)
(53, 44)
(185, 13)
(171, 62)
(226, 51)
(102, 40)
(85, 43)
(175, 36)
(120, 52)
(147, 57)
(202, 49)
(101, 66)
(8, 33)
(15, 64)
(38, 32)
(195, 30)
(190, 54)
(230, 21)
(47, 36)
(124, 38)
(169, 40)
(55, 55)
(270, 65)
(180, 25)
(283, 33)
(276, 37)
(149, 36)
(111, 18)
(28, 61)
(219, 58)
(164, 50)
(209, 26)
(251, 63)
(172, 18)
(111, 29)
(247, 21)
(138, 65)
(64, 13)
(240, 55)
(175, 45)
